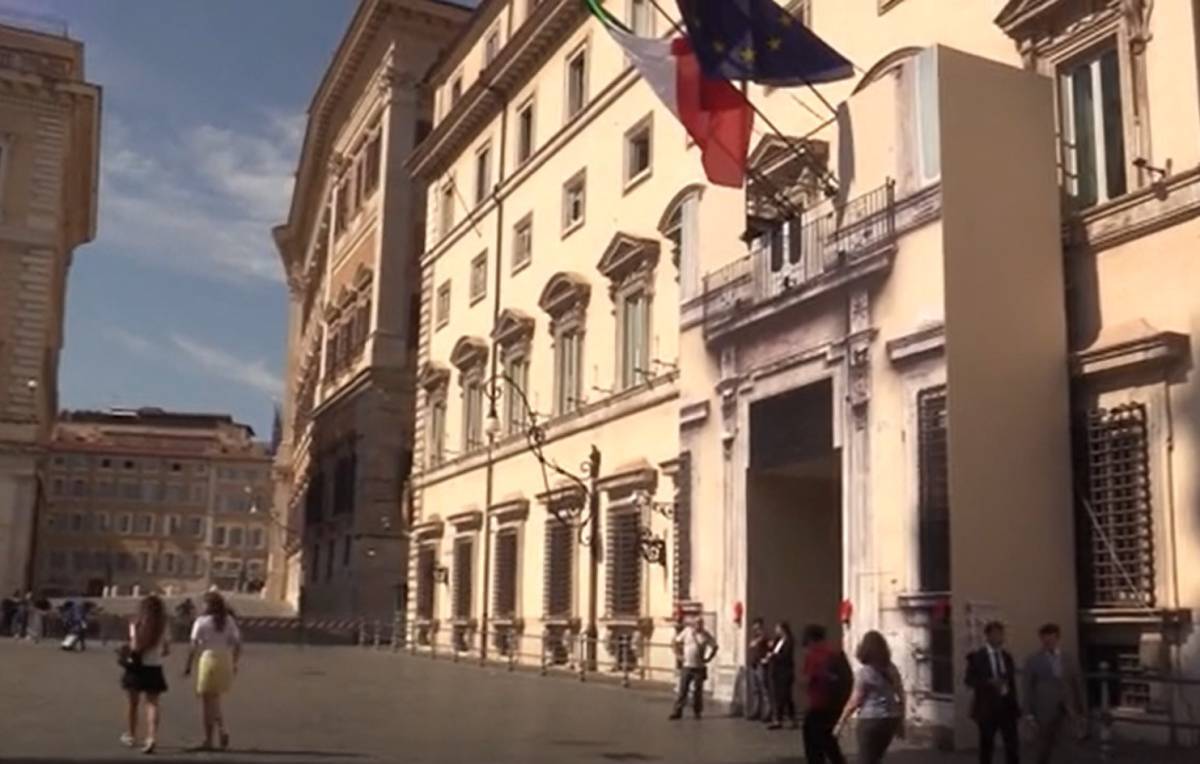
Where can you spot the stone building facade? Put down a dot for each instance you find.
(349, 250)
(148, 500)
(49, 155)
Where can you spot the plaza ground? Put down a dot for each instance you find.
(331, 704)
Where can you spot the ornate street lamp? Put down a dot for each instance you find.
(582, 515)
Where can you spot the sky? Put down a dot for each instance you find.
(180, 301)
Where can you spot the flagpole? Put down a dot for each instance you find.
(825, 174)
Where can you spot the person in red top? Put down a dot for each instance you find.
(823, 681)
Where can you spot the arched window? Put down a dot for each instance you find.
(680, 226)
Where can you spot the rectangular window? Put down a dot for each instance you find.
(426, 562)
(174, 525)
(456, 90)
(479, 269)
(577, 82)
(574, 202)
(635, 339)
(516, 371)
(525, 132)
(491, 47)
(637, 151)
(522, 243)
(506, 573)
(197, 565)
(124, 524)
(373, 165)
(1115, 527)
(257, 538)
(235, 537)
(196, 527)
(464, 576)
(559, 567)
(103, 524)
(483, 173)
(144, 525)
(79, 488)
(443, 304)
(641, 18)
(168, 561)
(624, 564)
(472, 413)
(447, 207)
(130, 491)
(341, 207)
(1093, 128)
(568, 371)
(145, 562)
(933, 510)
(437, 430)
(219, 536)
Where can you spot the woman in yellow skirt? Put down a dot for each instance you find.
(217, 644)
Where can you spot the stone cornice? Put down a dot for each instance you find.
(1145, 349)
(925, 341)
(1160, 205)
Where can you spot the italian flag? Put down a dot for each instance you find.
(715, 113)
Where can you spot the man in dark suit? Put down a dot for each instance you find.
(991, 674)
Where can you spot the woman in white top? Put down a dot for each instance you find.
(217, 641)
(149, 642)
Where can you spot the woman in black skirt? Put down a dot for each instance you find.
(149, 643)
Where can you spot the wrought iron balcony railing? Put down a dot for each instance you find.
(824, 244)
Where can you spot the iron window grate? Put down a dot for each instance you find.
(464, 577)
(934, 508)
(506, 573)
(1118, 538)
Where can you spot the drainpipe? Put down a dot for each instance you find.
(494, 361)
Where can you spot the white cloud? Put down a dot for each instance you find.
(203, 201)
(131, 342)
(254, 374)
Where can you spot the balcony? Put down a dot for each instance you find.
(793, 262)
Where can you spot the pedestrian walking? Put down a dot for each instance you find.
(216, 651)
(21, 616)
(1053, 693)
(991, 675)
(143, 678)
(781, 676)
(828, 683)
(878, 699)
(758, 697)
(695, 648)
(8, 613)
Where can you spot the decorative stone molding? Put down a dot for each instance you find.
(468, 353)
(564, 298)
(923, 342)
(628, 261)
(433, 376)
(1131, 346)
(1160, 205)
(431, 529)
(510, 510)
(636, 474)
(466, 521)
(513, 327)
(693, 414)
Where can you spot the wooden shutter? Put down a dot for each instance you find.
(624, 564)
(425, 582)
(559, 568)
(464, 576)
(505, 605)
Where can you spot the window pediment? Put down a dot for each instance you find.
(1040, 19)
(670, 217)
(468, 353)
(563, 292)
(433, 376)
(778, 161)
(627, 255)
(513, 327)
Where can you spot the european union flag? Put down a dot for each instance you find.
(759, 41)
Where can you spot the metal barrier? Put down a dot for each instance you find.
(1108, 715)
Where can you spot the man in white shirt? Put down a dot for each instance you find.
(695, 648)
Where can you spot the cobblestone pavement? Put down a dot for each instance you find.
(333, 704)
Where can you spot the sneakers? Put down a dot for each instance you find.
(149, 747)
(127, 740)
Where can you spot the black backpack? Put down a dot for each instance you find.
(841, 681)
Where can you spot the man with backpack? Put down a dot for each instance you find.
(829, 681)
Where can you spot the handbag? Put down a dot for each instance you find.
(128, 658)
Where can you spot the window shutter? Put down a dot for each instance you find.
(425, 582)
(934, 507)
(559, 568)
(464, 549)
(506, 573)
(624, 579)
